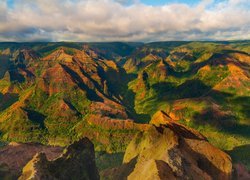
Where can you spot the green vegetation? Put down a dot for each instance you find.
(105, 160)
(241, 154)
(204, 85)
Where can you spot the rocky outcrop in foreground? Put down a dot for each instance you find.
(77, 162)
(169, 150)
(14, 156)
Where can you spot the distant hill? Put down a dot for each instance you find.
(57, 92)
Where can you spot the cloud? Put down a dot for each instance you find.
(122, 20)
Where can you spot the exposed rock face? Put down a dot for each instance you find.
(77, 162)
(169, 150)
(66, 85)
(160, 118)
(14, 156)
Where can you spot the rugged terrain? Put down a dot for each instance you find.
(56, 93)
(169, 150)
(165, 150)
(77, 162)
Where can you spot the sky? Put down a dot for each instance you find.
(123, 20)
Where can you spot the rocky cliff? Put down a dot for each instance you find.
(169, 150)
(77, 162)
(14, 156)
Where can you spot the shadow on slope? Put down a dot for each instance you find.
(121, 89)
(189, 89)
(91, 94)
(6, 100)
(36, 117)
(4, 60)
(216, 59)
(223, 122)
(218, 118)
(241, 154)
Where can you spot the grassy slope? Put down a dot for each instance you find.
(187, 91)
(190, 95)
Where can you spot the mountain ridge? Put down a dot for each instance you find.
(54, 93)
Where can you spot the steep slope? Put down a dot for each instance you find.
(4, 59)
(144, 57)
(169, 150)
(14, 156)
(61, 95)
(77, 162)
(55, 93)
(201, 84)
(205, 85)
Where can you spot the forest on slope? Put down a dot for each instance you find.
(56, 93)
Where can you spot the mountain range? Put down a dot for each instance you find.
(56, 93)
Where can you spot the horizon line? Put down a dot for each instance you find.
(125, 41)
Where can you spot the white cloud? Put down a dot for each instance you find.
(115, 20)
